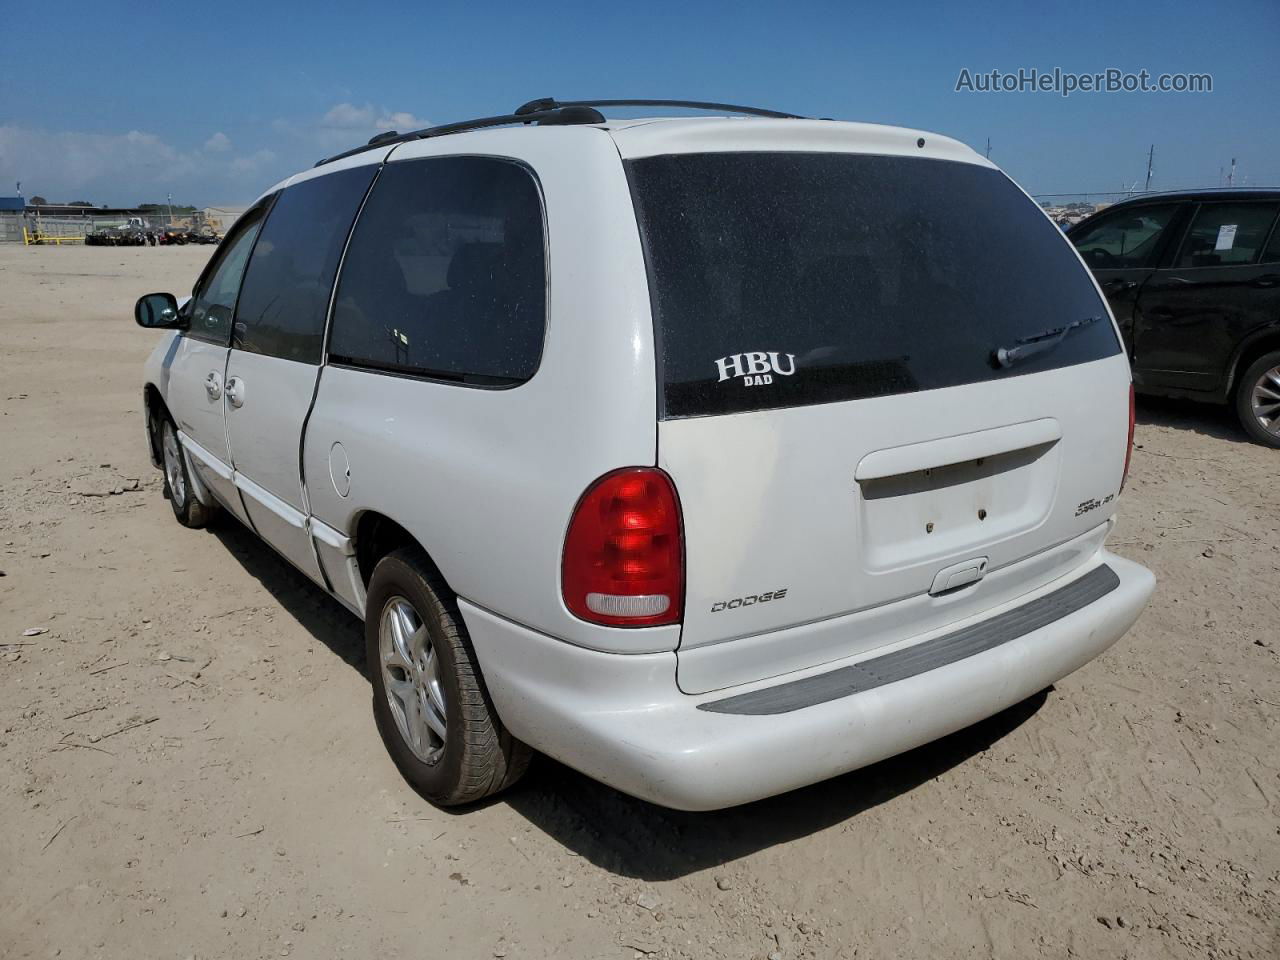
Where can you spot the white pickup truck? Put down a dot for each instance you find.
(712, 456)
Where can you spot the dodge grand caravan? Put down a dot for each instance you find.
(711, 456)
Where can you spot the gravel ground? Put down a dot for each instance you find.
(189, 768)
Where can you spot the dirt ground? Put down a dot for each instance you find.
(189, 767)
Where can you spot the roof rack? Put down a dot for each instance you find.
(565, 115)
(549, 112)
(549, 103)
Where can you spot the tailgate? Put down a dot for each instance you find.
(883, 378)
(799, 517)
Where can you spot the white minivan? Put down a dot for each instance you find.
(712, 456)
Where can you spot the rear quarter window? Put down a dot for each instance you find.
(445, 276)
(1227, 234)
(783, 279)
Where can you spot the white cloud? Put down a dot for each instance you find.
(136, 166)
(127, 168)
(69, 161)
(402, 121)
(343, 126)
(253, 162)
(348, 116)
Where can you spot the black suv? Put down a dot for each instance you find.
(1194, 281)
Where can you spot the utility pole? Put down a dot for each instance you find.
(988, 148)
(170, 209)
(1151, 155)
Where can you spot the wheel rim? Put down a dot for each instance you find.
(173, 466)
(1266, 401)
(411, 677)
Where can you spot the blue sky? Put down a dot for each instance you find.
(121, 103)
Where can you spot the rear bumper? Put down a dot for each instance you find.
(621, 719)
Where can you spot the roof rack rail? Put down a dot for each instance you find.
(550, 103)
(546, 112)
(564, 114)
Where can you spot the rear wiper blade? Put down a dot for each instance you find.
(1039, 343)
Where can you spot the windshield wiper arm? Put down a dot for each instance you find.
(1039, 343)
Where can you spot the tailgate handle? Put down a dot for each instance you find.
(949, 450)
(958, 575)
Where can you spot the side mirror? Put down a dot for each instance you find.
(157, 311)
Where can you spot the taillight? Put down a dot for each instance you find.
(623, 557)
(1128, 451)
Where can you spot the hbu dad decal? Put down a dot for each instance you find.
(755, 368)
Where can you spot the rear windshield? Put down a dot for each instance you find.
(783, 279)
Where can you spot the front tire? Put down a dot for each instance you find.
(429, 699)
(1258, 399)
(177, 481)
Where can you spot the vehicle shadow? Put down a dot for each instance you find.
(1211, 420)
(618, 833)
(635, 839)
(323, 617)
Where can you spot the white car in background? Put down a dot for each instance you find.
(711, 456)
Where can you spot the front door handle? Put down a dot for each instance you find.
(1118, 286)
(213, 384)
(235, 391)
(1269, 280)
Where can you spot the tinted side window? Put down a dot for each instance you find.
(445, 275)
(1226, 234)
(282, 306)
(215, 300)
(1125, 238)
(1272, 253)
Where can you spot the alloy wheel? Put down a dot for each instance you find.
(1266, 400)
(411, 677)
(173, 465)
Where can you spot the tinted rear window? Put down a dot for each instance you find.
(781, 279)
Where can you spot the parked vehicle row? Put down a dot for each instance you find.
(711, 456)
(114, 237)
(177, 236)
(142, 236)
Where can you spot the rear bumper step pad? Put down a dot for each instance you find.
(923, 657)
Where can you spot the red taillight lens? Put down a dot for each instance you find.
(623, 556)
(1128, 452)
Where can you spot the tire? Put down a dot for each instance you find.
(1258, 399)
(429, 699)
(177, 482)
